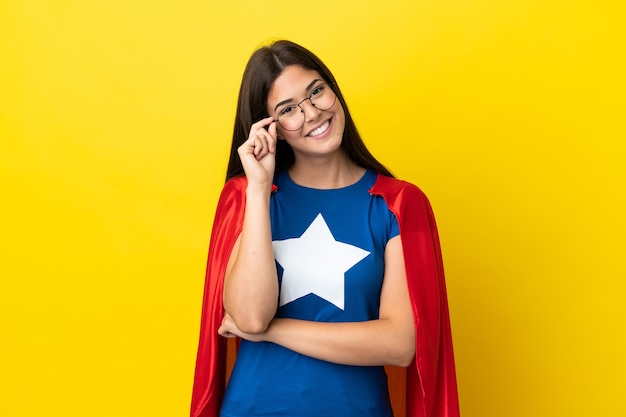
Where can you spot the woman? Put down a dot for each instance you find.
(322, 264)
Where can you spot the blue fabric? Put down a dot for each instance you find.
(269, 380)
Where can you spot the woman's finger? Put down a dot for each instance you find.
(261, 124)
(226, 334)
(273, 137)
(224, 330)
(260, 144)
(253, 145)
(227, 325)
(262, 138)
(268, 138)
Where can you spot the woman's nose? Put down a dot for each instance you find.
(310, 111)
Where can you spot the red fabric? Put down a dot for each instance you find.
(430, 380)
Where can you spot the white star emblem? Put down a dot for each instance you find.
(315, 263)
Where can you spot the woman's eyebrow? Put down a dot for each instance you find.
(308, 88)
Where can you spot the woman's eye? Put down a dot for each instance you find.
(317, 91)
(287, 111)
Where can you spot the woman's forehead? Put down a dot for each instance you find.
(294, 82)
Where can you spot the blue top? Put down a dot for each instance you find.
(329, 247)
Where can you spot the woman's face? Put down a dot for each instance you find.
(321, 129)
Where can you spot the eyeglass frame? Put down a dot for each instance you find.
(312, 104)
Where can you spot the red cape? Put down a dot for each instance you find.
(429, 383)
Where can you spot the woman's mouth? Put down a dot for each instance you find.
(320, 129)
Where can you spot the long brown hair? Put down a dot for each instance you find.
(264, 66)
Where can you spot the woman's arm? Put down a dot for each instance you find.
(389, 340)
(250, 284)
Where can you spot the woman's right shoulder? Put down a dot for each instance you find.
(234, 190)
(236, 184)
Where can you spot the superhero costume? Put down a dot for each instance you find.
(429, 382)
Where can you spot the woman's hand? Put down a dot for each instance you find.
(229, 329)
(258, 152)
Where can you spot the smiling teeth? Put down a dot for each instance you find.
(320, 129)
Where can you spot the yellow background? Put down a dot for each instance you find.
(115, 124)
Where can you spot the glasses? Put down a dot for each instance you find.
(322, 97)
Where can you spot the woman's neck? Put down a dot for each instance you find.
(326, 174)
